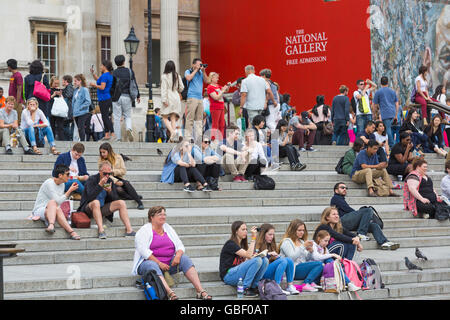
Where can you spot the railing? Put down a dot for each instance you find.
(7, 250)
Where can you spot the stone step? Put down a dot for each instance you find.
(415, 289)
(427, 275)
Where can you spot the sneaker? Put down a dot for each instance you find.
(30, 151)
(287, 293)
(130, 135)
(293, 167)
(237, 179)
(250, 293)
(308, 288)
(352, 287)
(9, 151)
(207, 189)
(333, 143)
(363, 237)
(426, 216)
(394, 246)
(242, 178)
(386, 246)
(302, 149)
(189, 188)
(130, 234)
(140, 206)
(102, 235)
(300, 166)
(292, 290)
(314, 285)
(311, 149)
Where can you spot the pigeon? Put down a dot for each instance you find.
(160, 153)
(420, 255)
(411, 266)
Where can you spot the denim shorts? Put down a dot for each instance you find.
(184, 266)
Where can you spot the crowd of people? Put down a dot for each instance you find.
(267, 130)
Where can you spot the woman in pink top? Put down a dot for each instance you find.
(159, 248)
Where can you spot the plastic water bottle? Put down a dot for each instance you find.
(151, 291)
(240, 289)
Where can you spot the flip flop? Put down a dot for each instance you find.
(77, 237)
(50, 231)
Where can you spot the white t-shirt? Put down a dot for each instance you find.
(366, 96)
(49, 190)
(74, 166)
(255, 87)
(380, 138)
(423, 83)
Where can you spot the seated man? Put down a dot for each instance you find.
(78, 171)
(350, 156)
(100, 199)
(50, 196)
(366, 168)
(401, 156)
(359, 220)
(8, 123)
(304, 128)
(234, 161)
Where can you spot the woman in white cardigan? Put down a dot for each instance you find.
(159, 248)
(171, 87)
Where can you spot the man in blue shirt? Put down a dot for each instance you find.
(386, 100)
(366, 168)
(195, 77)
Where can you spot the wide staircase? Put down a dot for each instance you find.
(54, 267)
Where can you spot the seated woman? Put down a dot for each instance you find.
(257, 158)
(321, 115)
(381, 136)
(418, 193)
(410, 125)
(237, 261)
(207, 161)
(32, 118)
(159, 248)
(124, 188)
(344, 242)
(296, 246)
(180, 166)
(277, 265)
(435, 141)
(401, 156)
(286, 149)
(350, 156)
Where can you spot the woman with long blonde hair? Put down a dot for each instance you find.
(343, 242)
(295, 245)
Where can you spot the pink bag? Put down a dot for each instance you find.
(353, 272)
(40, 91)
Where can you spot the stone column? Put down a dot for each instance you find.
(169, 33)
(88, 37)
(120, 27)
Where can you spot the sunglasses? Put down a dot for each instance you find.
(207, 142)
(343, 188)
(107, 173)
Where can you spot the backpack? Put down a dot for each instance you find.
(376, 217)
(213, 183)
(134, 91)
(270, 290)
(339, 167)
(156, 290)
(353, 105)
(371, 275)
(353, 272)
(115, 90)
(381, 187)
(184, 93)
(263, 182)
(413, 94)
(332, 279)
(442, 211)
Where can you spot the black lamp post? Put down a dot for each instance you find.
(131, 45)
(150, 123)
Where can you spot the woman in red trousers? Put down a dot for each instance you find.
(422, 96)
(217, 105)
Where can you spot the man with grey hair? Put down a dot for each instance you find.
(100, 199)
(254, 91)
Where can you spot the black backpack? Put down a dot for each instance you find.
(115, 90)
(263, 182)
(339, 167)
(353, 105)
(155, 282)
(442, 211)
(184, 93)
(376, 217)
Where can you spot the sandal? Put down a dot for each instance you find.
(74, 237)
(172, 296)
(54, 151)
(201, 296)
(50, 231)
(37, 151)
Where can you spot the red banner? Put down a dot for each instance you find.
(311, 46)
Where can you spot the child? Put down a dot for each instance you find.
(351, 129)
(321, 253)
(160, 131)
(2, 99)
(96, 125)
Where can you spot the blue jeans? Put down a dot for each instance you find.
(46, 131)
(340, 132)
(388, 126)
(396, 132)
(361, 222)
(309, 272)
(184, 266)
(69, 183)
(361, 121)
(277, 268)
(345, 250)
(251, 271)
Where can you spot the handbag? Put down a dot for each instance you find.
(40, 91)
(328, 128)
(442, 211)
(60, 108)
(133, 87)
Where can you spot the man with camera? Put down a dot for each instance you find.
(195, 77)
(100, 199)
